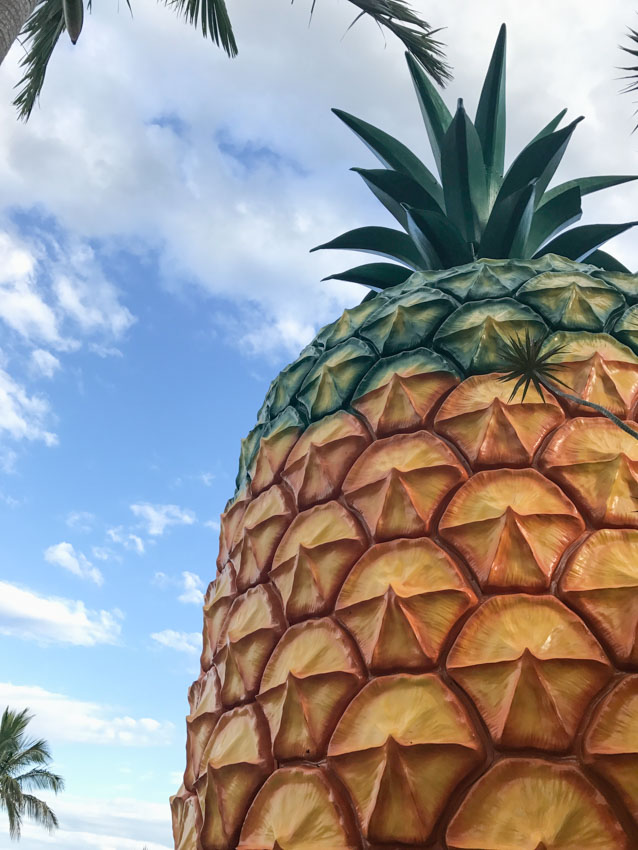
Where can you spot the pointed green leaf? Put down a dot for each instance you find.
(507, 229)
(538, 161)
(580, 242)
(392, 153)
(438, 239)
(393, 189)
(374, 275)
(436, 116)
(549, 128)
(586, 185)
(552, 217)
(490, 116)
(463, 170)
(605, 261)
(378, 240)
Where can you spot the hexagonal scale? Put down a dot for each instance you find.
(512, 526)
(531, 667)
(400, 602)
(398, 483)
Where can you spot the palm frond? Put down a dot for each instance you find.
(632, 76)
(415, 33)
(41, 780)
(212, 16)
(524, 361)
(41, 31)
(39, 811)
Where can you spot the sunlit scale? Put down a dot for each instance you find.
(531, 668)
(314, 557)
(491, 428)
(251, 630)
(401, 747)
(299, 807)
(258, 534)
(398, 483)
(597, 464)
(400, 601)
(512, 526)
(235, 762)
(217, 602)
(399, 393)
(601, 582)
(531, 804)
(424, 629)
(611, 741)
(206, 707)
(312, 675)
(597, 368)
(318, 463)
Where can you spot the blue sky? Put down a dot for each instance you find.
(155, 221)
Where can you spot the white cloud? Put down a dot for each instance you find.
(80, 520)
(126, 539)
(117, 823)
(190, 642)
(206, 478)
(213, 524)
(160, 580)
(62, 718)
(23, 416)
(44, 363)
(65, 556)
(159, 517)
(51, 619)
(192, 589)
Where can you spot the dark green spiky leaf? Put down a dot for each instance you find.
(508, 226)
(378, 240)
(552, 217)
(393, 153)
(579, 242)
(521, 359)
(393, 189)
(438, 239)
(463, 175)
(586, 185)
(42, 31)
(538, 161)
(632, 76)
(436, 116)
(374, 275)
(549, 127)
(490, 116)
(605, 261)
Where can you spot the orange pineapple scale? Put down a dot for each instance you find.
(424, 629)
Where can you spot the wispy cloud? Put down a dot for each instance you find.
(23, 416)
(51, 619)
(126, 539)
(44, 363)
(157, 518)
(190, 642)
(80, 520)
(64, 555)
(62, 718)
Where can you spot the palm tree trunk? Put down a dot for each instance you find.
(13, 16)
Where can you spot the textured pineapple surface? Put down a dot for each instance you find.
(423, 631)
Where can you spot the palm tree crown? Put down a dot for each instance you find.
(23, 769)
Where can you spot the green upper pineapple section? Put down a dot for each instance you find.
(477, 209)
(451, 320)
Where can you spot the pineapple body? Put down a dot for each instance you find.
(423, 631)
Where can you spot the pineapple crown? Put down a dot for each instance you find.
(477, 209)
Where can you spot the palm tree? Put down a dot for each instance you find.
(41, 25)
(22, 769)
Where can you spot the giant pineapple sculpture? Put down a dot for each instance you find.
(424, 627)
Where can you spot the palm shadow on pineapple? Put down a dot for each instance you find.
(423, 628)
